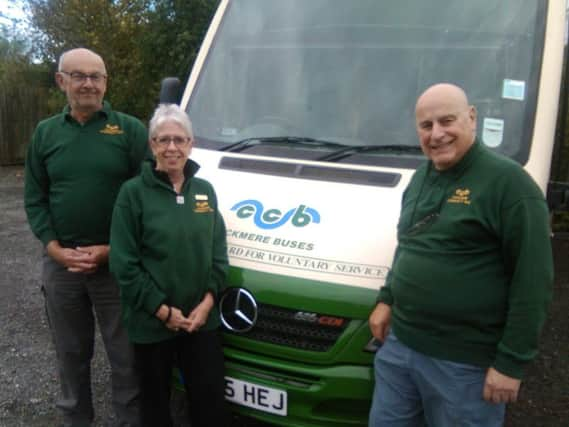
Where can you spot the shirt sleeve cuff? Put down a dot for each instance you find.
(47, 237)
(508, 366)
(385, 296)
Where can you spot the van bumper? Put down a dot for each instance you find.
(316, 395)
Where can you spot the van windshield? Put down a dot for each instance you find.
(349, 72)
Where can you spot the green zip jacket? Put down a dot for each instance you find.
(74, 172)
(473, 272)
(166, 248)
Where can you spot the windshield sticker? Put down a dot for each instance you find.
(228, 131)
(514, 89)
(492, 132)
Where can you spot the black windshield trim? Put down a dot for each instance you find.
(349, 151)
(311, 172)
(292, 140)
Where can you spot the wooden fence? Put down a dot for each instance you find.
(21, 107)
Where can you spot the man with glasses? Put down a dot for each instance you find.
(462, 307)
(75, 165)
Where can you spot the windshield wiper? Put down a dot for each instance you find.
(309, 142)
(348, 151)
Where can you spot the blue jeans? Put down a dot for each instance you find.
(413, 390)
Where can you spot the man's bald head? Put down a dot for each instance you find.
(443, 92)
(81, 55)
(446, 124)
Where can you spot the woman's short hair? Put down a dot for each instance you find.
(166, 113)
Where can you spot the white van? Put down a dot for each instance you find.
(303, 114)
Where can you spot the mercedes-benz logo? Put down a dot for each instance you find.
(238, 310)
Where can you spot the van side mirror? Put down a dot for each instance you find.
(558, 196)
(170, 92)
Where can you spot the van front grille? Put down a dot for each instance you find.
(298, 329)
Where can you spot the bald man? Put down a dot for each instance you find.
(462, 307)
(75, 165)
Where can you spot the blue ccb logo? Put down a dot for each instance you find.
(274, 218)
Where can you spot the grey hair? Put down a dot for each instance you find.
(60, 65)
(170, 113)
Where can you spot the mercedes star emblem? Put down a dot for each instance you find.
(238, 310)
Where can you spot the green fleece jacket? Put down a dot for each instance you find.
(473, 272)
(74, 172)
(166, 248)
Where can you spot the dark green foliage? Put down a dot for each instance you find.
(141, 41)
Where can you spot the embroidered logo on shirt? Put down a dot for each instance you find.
(202, 207)
(111, 130)
(460, 196)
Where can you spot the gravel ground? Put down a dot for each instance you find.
(28, 377)
(28, 382)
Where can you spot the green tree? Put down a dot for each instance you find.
(141, 41)
(10, 48)
(176, 30)
(16, 64)
(23, 87)
(110, 28)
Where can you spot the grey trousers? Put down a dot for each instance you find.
(73, 301)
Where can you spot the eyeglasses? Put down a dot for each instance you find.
(78, 77)
(177, 140)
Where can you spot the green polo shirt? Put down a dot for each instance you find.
(473, 273)
(74, 171)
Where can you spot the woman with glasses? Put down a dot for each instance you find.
(169, 256)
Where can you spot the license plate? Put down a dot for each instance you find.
(263, 398)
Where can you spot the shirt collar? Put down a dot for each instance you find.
(103, 112)
(155, 177)
(463, 164)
